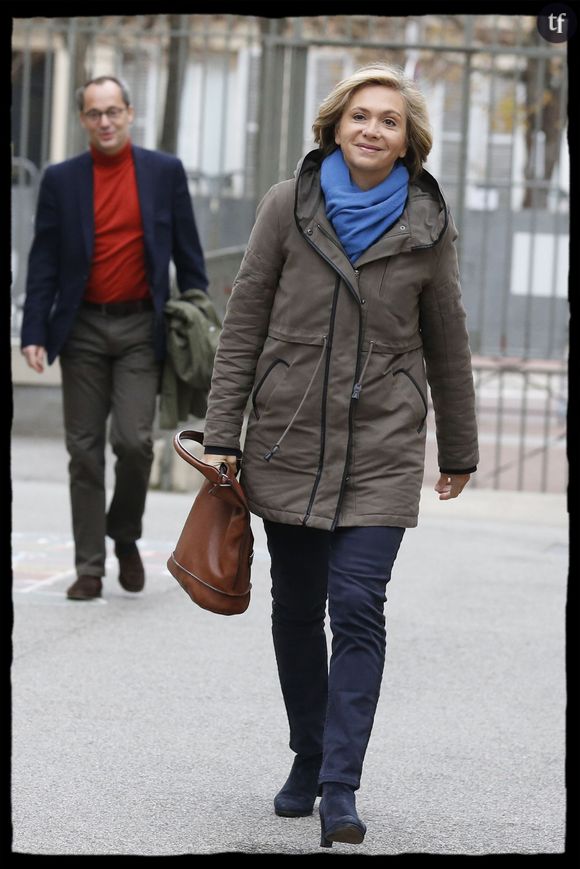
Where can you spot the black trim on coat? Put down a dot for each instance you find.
(262, 380)
(324, 401)
(353, 404)
(418, 388)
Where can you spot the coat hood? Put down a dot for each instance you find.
(424, 218)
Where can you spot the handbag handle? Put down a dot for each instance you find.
(213, 474)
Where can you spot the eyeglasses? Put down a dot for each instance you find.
(94, 116)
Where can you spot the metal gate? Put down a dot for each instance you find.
(234, 97)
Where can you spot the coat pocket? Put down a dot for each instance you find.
(267, 384)
(416, 386)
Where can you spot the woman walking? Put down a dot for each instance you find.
(347, 303)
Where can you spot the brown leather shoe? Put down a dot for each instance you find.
(85, 588)
(131, 570)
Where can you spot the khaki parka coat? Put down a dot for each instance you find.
(333, 359)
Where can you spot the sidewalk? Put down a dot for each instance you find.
(144, 725)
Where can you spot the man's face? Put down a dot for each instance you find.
(106, 134)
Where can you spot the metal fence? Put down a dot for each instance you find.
(235, 96)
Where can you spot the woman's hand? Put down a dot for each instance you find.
(451, 485)
(230, 461)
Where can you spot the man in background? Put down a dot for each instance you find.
(108, 223)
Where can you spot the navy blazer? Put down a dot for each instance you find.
(60, 257)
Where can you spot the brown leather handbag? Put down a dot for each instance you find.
(213, 556)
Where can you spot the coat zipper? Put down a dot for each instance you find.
(350, 425)
(325, 258)
(343, 252)
(324, 400)
(359, 384)
(350, 412)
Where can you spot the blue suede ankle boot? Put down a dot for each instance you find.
(296, 798)
(339, 821)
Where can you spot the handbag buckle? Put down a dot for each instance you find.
(224, 480)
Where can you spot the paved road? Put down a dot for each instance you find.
(143, 725)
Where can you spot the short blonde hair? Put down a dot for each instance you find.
(418, 128)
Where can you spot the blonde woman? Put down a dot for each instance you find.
(347, 303)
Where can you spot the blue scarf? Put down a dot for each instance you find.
(360, 217)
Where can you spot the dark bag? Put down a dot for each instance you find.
(213, 556)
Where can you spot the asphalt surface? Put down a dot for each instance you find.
(143, 725)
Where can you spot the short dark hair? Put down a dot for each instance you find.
(80, 93)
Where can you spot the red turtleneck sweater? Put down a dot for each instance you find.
(118, 267)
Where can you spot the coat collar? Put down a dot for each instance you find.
(421, 224)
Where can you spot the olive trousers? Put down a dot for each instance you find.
(109, 371)
(331, 705)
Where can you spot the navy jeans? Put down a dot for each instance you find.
(331, 709)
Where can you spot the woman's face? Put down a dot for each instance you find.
(371, 134)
